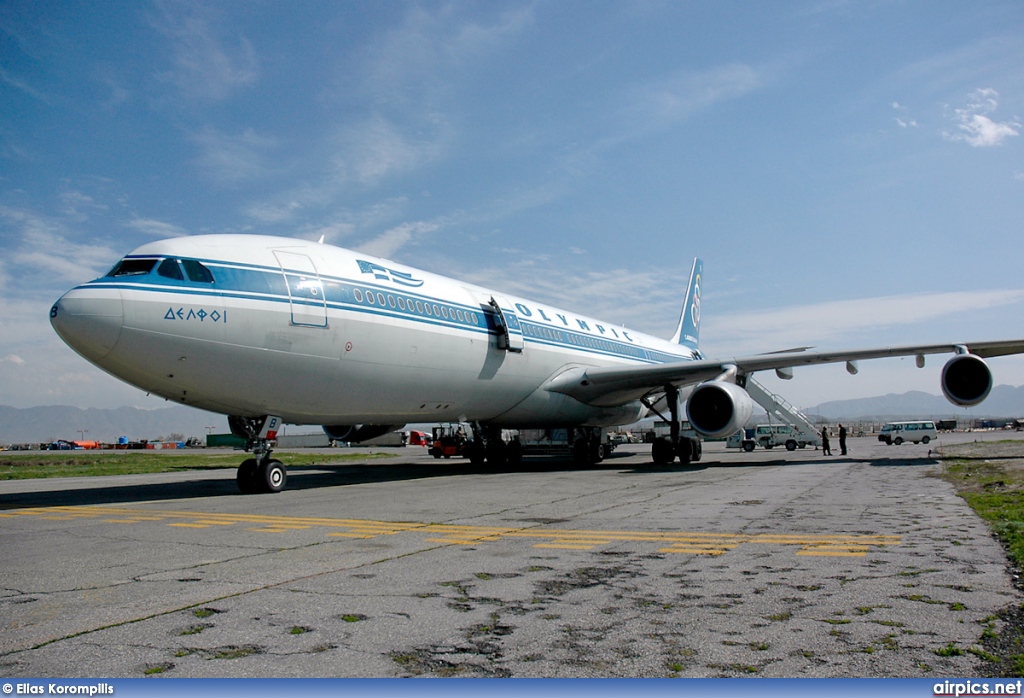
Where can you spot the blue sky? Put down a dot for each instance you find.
(852, 173)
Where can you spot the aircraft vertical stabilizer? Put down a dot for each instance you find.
(688, 331)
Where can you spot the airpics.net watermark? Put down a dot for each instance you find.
(58, 689)
(969, 689)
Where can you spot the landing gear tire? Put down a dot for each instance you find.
(514, 452)
(662, 452)
(581, 453)
(476, 454)
(685, 451)
(497, 453)
(246, 477)
(272, 476)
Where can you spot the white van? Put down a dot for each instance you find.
(898, 432)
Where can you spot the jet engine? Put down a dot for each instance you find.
(354, 433)
(966, 380)
(718, 408)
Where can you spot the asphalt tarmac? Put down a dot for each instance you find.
(772, 564)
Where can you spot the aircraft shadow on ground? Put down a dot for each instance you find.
(303, 477)
(321, 476)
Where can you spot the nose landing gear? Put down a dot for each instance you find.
(260, 473)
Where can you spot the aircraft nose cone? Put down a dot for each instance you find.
(89, 321)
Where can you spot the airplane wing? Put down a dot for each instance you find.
(618, 385)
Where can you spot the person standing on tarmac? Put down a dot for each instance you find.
(842, 440)
(825, 450)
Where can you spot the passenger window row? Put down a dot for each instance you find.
(412, 305)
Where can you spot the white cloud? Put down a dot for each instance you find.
(378, 149)
(974, 126)
(23, 86)
(903, 120)
(40, 244)
(206, 65)
(829, 322)
(392, 240)
(266, 212)
(415, 59)
(14, 359)
(229, 159)
(662, 103)
(77, 205)
(332, 232)
(155, 228)
(411, 78)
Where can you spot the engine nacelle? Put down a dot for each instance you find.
(354, 433)
(966, 380)
(718, 408)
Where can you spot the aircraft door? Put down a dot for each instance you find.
(510, 331)
(305, 289)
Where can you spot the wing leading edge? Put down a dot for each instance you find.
(619, 385)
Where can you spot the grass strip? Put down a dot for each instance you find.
(98, 463)
(990, 478)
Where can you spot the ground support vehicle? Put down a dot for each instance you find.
(919, 432)
(769, 436)
(448, 440)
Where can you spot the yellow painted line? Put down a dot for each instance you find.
(835, 550)
(698, 549)
(679, 542)
(579, 541)
(452, 541)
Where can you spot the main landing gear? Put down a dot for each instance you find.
(489, 446)
(261, 473)
(587, 448)
(665, 450)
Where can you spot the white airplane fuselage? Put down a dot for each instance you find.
(323, 335)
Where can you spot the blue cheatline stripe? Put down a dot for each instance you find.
(267, 284)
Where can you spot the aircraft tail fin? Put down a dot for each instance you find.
(688, 331)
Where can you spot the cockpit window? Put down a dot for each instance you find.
(169, 269)
(197, 272)
(132, 267)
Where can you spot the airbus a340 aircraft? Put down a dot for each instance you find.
(271, 330)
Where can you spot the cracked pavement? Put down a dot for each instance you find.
(764, 564)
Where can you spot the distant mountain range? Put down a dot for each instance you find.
(44, 424)
(1005, 401)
